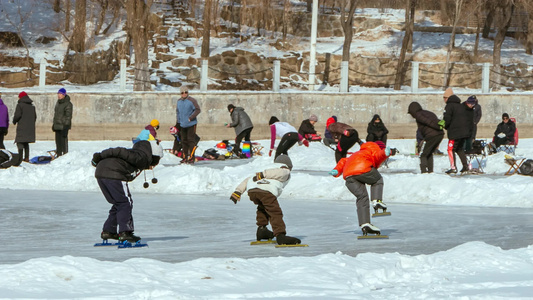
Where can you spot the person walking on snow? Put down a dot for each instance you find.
(360, 169)
(289, 137)
(345, 134)
(187, 109)
(264, 189)
(62, 121)
(115, 167)
(25, 117)
(243, 127)
(4, 122)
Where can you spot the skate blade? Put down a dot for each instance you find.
(262, 242)
(105, 243)
(131, 245)
(288, 246)
(381, 214)
(370, 237)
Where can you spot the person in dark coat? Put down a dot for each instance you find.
(376, 130)
(4, 122)
(243, 127)
(504, 133)
(62, 121)
(8, 159)
(458, 121)
(307, 129)
(345, 134)
(477, 117)
(329, 139)
(25, 117)
(429, 131)
(115, 167)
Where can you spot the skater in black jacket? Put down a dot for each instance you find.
(430, 131)
(115, 167)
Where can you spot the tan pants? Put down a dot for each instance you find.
(268, 210)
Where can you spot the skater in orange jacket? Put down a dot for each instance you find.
(360, 169)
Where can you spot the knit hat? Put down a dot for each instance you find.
(471, 100)
(157, 150)
(380, 144)
(313, 118)
(330, 121)
(154, 123)
(448, 92)
(184, 89)
(273, 120)
(62, 91)
(284, 159)
(22, 94)
(505, 115)
(230, 107)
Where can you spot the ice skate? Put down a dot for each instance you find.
(374, 232)
(105, 235)
(129, 237)
(263, 234)
(451, 171)
(377, 205)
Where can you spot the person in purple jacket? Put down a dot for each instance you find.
(4, 122)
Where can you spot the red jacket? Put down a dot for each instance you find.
(362, 161)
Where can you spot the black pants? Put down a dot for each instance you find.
(373, 138)
(287, 141)
(245, 134)
(426, 157)
(61, 141)
(3, 131)
(188, 141)
(458, 147)
(345, 143)
(24, 151)
(117, 193)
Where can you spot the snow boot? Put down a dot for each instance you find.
(128, 236)
(264, 234)
(105, 235)
(464, 169)
(369, 228)
(378, 204)
(451, 171)
(283, 239)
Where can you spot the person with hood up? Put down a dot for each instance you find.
(4, 122)
(307, 129)
(360, 169)
(458, 122)
(115, 167)
(429, 131)
(25, 117)
(289, 137)
(376, 130)
(477, 117)
(62, 121)
(264, 189)
(243, 127)
(345, 134)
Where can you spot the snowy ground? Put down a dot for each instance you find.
(450, 237)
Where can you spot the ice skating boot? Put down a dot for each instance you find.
(283, 239)
(451, 171)
(369, 228)
(128, 236)
(264, 234)
(105, 235)
(377, 205)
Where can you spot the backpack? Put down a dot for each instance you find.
(527, 167)
(477, 146)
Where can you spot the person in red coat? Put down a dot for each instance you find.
(360, 169)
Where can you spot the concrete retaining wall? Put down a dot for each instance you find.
(115, 116)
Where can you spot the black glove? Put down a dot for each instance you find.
(5, 133)
(258, 176)
(393, 151)
(97, 157)
(236, 196)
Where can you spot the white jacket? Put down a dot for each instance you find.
(275, 179)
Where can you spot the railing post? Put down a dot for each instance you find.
(485, 79)
(344, 77)
(414, 76)
(122, 77)
(276, 76)
(203, 73)
(42, 73)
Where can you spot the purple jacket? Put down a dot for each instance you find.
(4, 116)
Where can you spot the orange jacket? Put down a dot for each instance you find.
(362, 161)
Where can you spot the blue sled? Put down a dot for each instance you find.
(120, 245)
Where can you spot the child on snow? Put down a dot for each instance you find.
(149, 133)
(264, 189)
(288, 134)
(360, 169)
(115, 167)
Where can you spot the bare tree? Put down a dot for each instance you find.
(57, 6)
(478, 13)
(407, 39)
(506, 9)
(451, 45)
(347, 26)
(286, 18)
(101, 18)
(67, 16)
(77, 41)
(528, 5)
(207, 29)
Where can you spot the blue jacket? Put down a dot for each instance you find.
(186, 111)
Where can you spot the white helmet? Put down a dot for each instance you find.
(157, 150)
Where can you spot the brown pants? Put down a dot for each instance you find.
(268, 210)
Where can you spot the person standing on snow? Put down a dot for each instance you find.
(25, 117)
(115, 167)
(360, 169)
(376, 130)
(264, 189)
(62, 121)
(4, 122)
(345, 134)
(187, 109)
(289, 137)
(429, 131)
(243, 127)
(477, 117)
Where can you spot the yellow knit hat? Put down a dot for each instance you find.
(154, 123)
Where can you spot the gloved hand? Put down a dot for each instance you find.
(270, 152)
(333, 172)
(501, 135)
(97, 157)
(258, 176)
(442, 124)
(387, 151)
(347, 132)
(236, 196)
(393, 151)
(305, 142)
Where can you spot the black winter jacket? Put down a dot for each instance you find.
(427, 122)
(508, 129)
(459, 122)
(306, 128)
(25, 116)
(124, 164)
(377, 129)
(62, 114)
